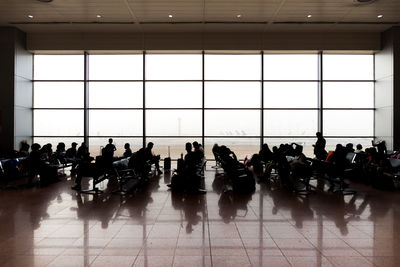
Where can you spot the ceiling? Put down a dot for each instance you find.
(199, 15)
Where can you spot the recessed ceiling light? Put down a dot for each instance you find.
(309, 16)
(30, 16)
(98, 16)
(170, 16)
(380, 16)
(238, 16)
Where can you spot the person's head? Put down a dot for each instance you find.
(127, 145)
(110, 141)
(265, 147)
(339, 148)
(188, 147)
(35, 147)
(274, 149)
(24, 145)
(359, 147)
(196, 145)
(349, 146)
(318, 134)
(83, 144)
(298, 150)
(74, 145)
(150, 145)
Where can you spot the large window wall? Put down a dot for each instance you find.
(239, 100)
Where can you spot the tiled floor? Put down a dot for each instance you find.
(55, 226)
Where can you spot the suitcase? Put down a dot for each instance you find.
(167, 162)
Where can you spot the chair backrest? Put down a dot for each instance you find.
(350, 157)
(1, 169)
(395, 163)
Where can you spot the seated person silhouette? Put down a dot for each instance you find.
(349, 148)
(198, 150)
(71, 156)
(71, 152)
(128, 151)
(265, 153)
(24, 149)
(84, 160)
(185, 177)
(299, 165)
(359, 149)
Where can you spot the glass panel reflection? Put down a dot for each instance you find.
(116, 94)
(174, 67)
(348, 67)
(58, 67)
(58, 95)
(291, 95)
(173, 94)
(348, 122)
(116, 67)
(290, 122)
(116, 123)
(173, 122)
(291, 67)
(232, 94)
(232, 67)
(348, 95)
(58, 122)
(232, 123)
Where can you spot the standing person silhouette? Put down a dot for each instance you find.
(108, 152)
(319, 147)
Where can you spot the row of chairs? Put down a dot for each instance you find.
(241, 180)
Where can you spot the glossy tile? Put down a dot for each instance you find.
(55, 226)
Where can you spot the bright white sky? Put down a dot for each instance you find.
(127, 92)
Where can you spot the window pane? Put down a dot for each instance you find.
(307, 143)
(348, 122)
(242, 147)
(96, 144)
(116, 67)
(173, 122)
(176, 145)
(332, 142)
(232, 94)
(232, 123)
(291, 95)
(348, 95)
(58, 95)
(173, 94)
(290, 67)
(348, 67)
(116, 94)
(173, 67)
(58, 67)
(58, 122)
(55, 140)
(290, 122)
(232, 67)
(115, 123)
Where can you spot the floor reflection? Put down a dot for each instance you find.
(55, 226)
